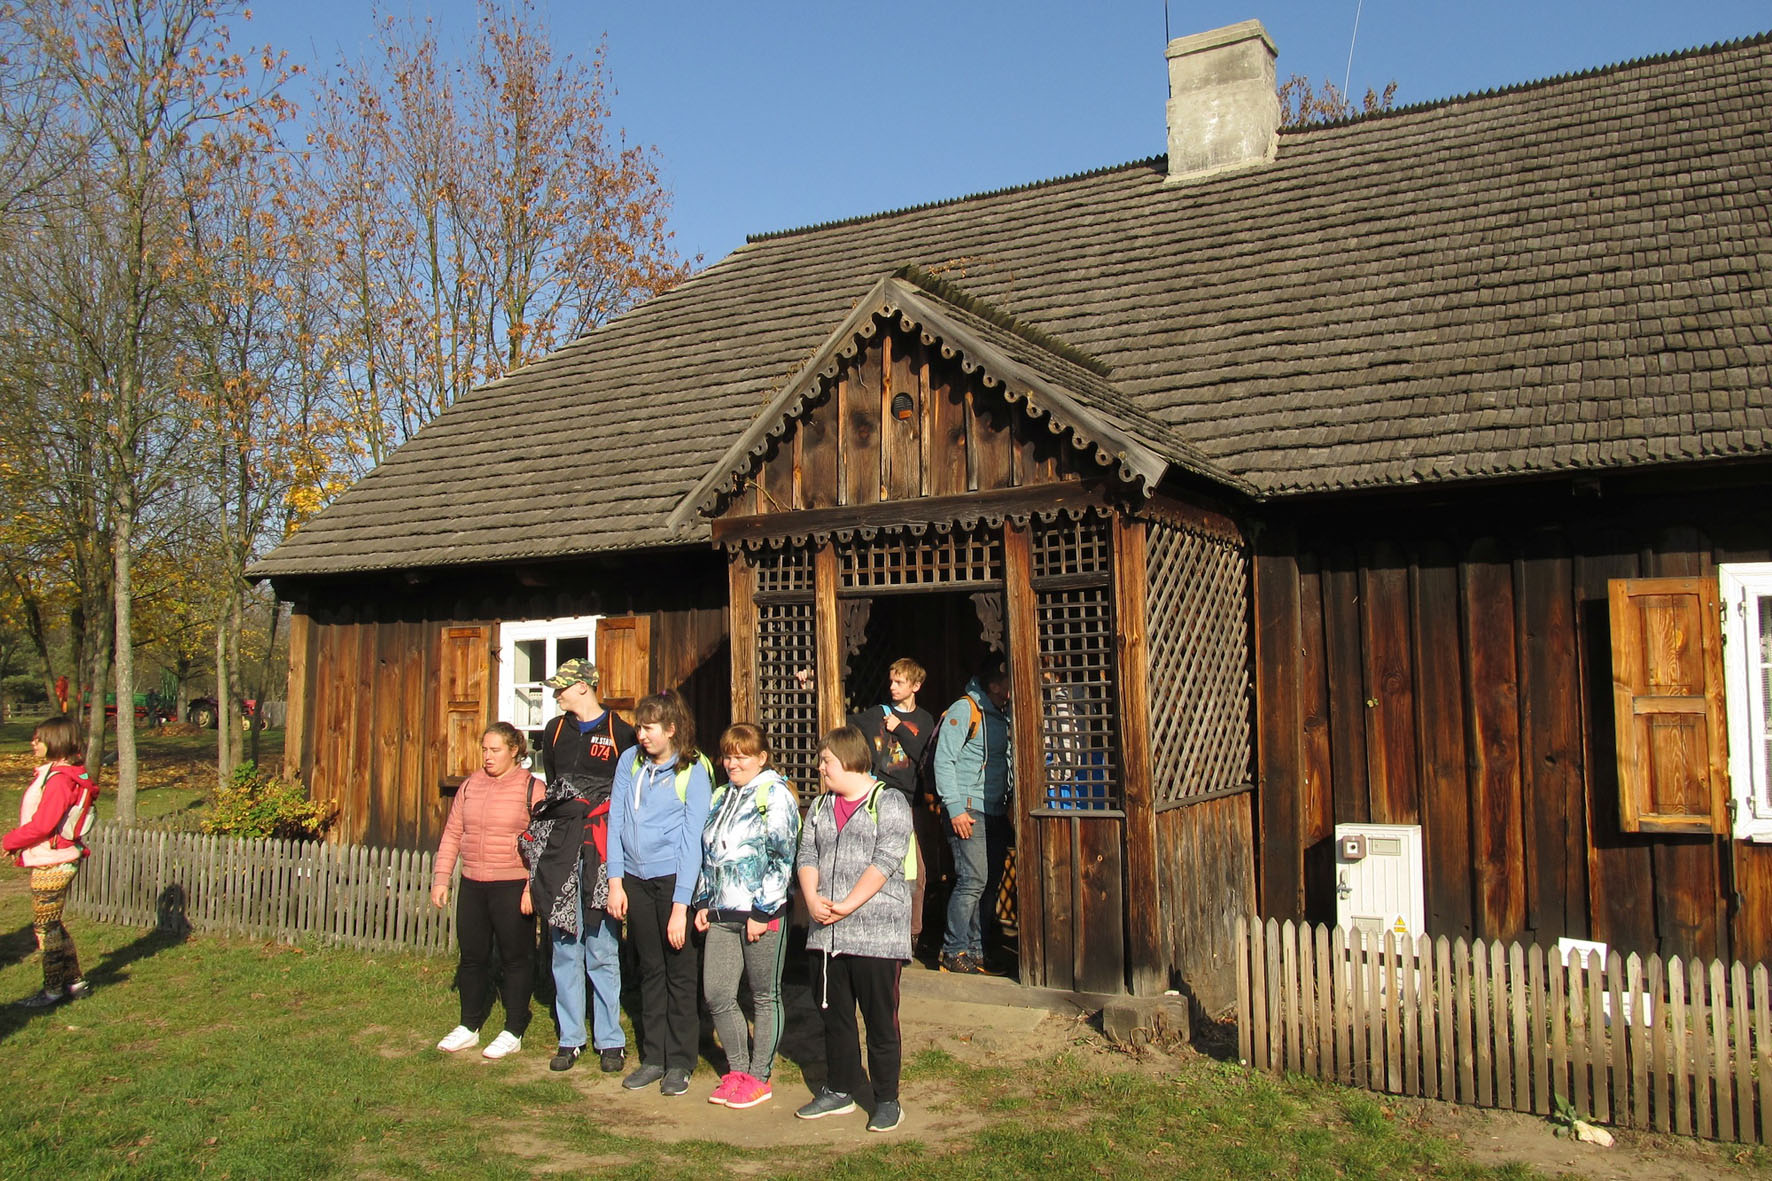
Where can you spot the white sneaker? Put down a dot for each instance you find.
(505, 1043)
(459, 1038)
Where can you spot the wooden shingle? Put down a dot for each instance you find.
(1562, 276)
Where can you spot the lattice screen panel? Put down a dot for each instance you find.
(1073, 547)
(1199, 663)
(783, 570)
(787, 694)
(901, 561)
(1078, 703)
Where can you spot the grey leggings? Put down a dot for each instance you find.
(724, 957)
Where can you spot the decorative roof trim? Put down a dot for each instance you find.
(965, 524)
(918, 310)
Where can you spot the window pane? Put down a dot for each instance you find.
(1763, 674)
(527, 706)
(527, 659)
(571, 648)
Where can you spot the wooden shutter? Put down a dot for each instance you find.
(465, 703)
(1667, 693)
(624, 650)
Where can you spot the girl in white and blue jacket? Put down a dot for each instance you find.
(658, 806)
(747, 864)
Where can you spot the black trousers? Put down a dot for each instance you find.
(483, 910)
(670, 1026)
(839, 984)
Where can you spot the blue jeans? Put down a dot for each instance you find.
(595, 954)
(978, 876)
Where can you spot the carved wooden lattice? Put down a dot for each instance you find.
(902, 561)
(783, 570)
(1199, 663)
(1073, 604)
(787, 690)
(787, 694)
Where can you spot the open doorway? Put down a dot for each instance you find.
(949, 633)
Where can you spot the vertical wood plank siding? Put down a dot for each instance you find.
(374, 662)
(1466, 673)
(1674, 1045)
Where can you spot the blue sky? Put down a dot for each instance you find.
(768, 114)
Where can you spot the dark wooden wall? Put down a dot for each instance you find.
(1206, 877)
(1449, 665)
(851, 452)
(370, 672)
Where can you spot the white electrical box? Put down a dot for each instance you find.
(1378, 884)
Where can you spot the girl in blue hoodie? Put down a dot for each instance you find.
(658, 806)
(747, 863)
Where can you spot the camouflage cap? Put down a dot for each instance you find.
(571, 673)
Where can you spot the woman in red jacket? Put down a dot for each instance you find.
(489, 813)
(55, 813)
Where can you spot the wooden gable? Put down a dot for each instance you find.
(901, 423)
(925, 406)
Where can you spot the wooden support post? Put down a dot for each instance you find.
(741, 625)
(298, 745)
(1021, 634)
(828, 633)
(1144, 910)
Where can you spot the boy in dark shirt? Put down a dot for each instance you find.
(581, 746)
(899, 731)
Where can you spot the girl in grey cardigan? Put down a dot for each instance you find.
(851, 869)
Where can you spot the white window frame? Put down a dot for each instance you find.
(551, 630)
(1742, 585)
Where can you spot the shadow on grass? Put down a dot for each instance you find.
(112, 968)
(18, 946)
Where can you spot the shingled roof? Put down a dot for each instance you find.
(1561, 276)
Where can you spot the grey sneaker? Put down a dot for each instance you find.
(887, 1115)
(827, 1103)
(676, 1082)
(644, 1077)
(42, 999)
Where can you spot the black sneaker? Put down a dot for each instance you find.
(612, 1059)
(676, 1082)
(643, 1077)
(827, 1103)
(564, 1057)
(887, 1115)
(79, 989)
(42, 999)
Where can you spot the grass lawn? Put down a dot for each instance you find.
(221, 1058)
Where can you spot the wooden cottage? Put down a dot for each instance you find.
(1384, 472)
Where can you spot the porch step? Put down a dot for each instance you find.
(929, 997)
(929, 987)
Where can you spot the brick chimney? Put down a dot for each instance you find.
(1224, 112)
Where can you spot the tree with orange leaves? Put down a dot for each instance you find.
(148, 99)
(473, 225)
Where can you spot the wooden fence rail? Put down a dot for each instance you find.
(350, 895)
(1676, 1047)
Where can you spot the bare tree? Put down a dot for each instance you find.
(1300, 102)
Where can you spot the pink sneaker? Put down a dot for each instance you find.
(749, 1092)
(728, 1084)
